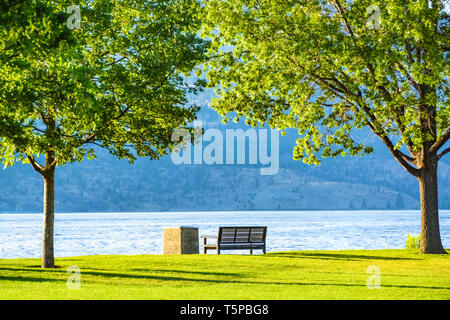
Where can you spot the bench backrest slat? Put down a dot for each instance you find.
(257, 235)
(242, 234)
(227, 235)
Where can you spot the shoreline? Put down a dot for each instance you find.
(394, 250)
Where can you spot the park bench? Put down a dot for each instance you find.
(237, 238)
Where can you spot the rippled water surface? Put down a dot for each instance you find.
(141, 233)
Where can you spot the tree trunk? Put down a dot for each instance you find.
(48, 260)
(430, 237)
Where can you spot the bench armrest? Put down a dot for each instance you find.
(205, 239)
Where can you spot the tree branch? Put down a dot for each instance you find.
(443, 153)
(408, 76)
(36, 166)
(441, 142)
(398, 155)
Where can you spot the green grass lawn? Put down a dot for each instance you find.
(283, 275)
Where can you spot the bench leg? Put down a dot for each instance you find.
(251, 250)
(218, 250)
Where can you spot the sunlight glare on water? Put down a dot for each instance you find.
(141, 233)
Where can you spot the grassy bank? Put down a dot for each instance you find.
(287, 275)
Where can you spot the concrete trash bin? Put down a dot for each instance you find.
(181, 240)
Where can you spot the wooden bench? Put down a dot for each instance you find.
(237, 238)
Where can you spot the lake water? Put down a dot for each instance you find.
(141, 233)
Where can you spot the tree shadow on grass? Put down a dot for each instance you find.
(161, 277)
(27, 279)
(39, 267)
(212, 281)
(108, 274)
(206, 273)
(106, 271)
(35, 269)
(334, 256)
(244, 281)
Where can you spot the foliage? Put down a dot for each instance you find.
(413, 242)
(324, 68)
(118, 81)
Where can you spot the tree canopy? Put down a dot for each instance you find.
(328, 68)
(116, 80)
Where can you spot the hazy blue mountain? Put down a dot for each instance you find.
(107, 184)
